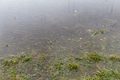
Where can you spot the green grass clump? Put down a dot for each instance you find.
(58, 65)
(11, 78)
(79, 58)
(72, 66)
(94, 56)
(114, 58)
(6, 63)
(26, 59)
(9, 63)
(90, 78)
(102, 31)
(108, 74)
(96, 33)
(104, 74)
(42, 57)
(15, 61)
(82, 59)
(22, 56)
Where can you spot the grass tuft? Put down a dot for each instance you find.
(26, 59)
(58, 65)
(72, 66)
(94, 56)
(114, 58)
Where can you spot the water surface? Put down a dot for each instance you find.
(30, 25)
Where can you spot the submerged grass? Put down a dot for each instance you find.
(94, 56)
(26, 59)
(60, 63)
(72, 66)
(10, 63)
(114, 57)
(26, 67)
(105, 74)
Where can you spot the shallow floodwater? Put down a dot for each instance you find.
(59, 39)
(36, 25)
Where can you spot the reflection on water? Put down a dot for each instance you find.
(33, 24)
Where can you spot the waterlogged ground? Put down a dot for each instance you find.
(59, 40)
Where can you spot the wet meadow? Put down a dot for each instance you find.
(59, 40)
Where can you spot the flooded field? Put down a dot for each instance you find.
(59, 40)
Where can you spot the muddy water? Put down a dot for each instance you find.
(36, 25)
